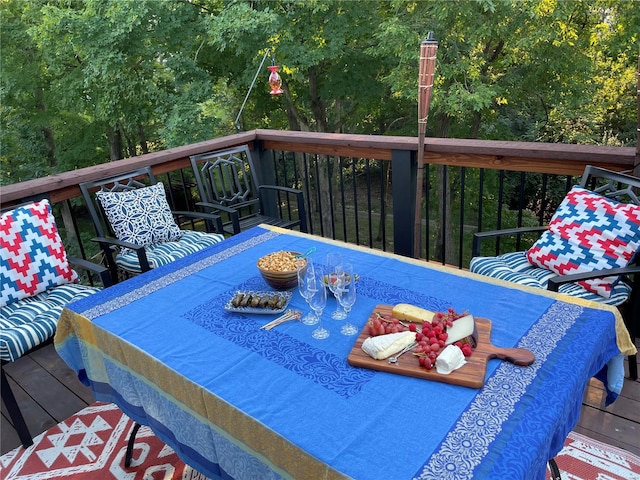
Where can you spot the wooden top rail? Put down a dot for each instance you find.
(519, 156)
(63, 186)
(559, 158)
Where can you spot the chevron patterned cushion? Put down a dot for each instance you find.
(32, 257)
(589, 232)
(140, 216)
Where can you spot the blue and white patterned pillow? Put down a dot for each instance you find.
(140, 216)
(589, 232)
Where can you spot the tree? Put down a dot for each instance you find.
(510, 70)
(330, 76)
(122, 71)
(85, 81)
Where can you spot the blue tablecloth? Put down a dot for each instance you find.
(236, 401)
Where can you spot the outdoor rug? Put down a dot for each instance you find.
(92, 445)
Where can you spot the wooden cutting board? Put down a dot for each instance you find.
(471, 374)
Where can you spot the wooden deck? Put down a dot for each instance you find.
(49, 392)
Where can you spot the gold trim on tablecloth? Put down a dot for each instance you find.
(250, 435)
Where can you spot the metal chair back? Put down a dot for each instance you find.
(119, 183)
(228, 183)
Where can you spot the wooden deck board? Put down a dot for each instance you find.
(48, 392)
(49, 359)
(35, 415)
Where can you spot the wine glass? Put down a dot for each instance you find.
(317, 302)
(347, 297)
(334, 272)
(306, 286)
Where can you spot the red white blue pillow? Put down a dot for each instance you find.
(589, 232)
(141, 216)
(32, 257)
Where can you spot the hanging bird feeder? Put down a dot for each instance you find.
(275, 82)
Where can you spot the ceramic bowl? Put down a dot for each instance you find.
(279, 279)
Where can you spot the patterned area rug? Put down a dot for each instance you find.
(92, 445)
(583, 458)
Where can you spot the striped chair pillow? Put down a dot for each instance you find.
(164, 253)
(31, 321)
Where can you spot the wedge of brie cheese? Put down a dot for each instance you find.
(461, 328)
(383, 346)
(450, 359)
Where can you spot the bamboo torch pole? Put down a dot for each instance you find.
(428, 50)
(636, 163)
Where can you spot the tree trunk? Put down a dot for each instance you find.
(115, 143)
(47, 133)
(317, 104)
(475, 124)
(130, 142)
(143, 139)
(322, 173)
(49, 141)
(386, 179)
(324, 166)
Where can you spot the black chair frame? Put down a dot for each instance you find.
(106, 238)
(228, 184)
(617, 186)
(7, 394)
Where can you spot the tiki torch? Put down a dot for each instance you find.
(636, 163)
(428, 50)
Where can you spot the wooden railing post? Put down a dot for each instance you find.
(403, 188)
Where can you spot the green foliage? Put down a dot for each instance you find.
(86, 81)
(330, 77)
(516, 70)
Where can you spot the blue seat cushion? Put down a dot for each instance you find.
(514, 267)
(27, 323)
(163, 253)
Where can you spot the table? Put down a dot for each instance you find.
(236, 401)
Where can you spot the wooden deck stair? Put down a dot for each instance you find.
(49, 392)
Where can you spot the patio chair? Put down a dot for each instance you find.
(228, 185)
(135, 227)
(589, 250)
(37, 280)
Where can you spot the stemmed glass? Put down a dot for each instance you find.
(334, 273)
(347, 297)
(317, 302)
(306, 286)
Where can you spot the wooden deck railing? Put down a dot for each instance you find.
(370, 179)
